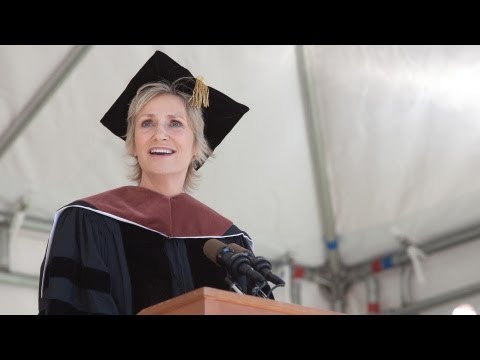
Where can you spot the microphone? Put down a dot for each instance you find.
(259, 263)
(235, 263)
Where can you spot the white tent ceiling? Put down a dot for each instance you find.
(399, 126)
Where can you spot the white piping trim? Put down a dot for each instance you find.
(57, 215)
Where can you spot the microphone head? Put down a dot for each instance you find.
(236, 264)
(213, 247)
(239, 249)
(259, 263)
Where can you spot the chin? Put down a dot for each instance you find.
(164, 172)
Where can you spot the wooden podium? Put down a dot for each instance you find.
(209, 301)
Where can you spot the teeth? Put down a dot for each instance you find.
(161, 151)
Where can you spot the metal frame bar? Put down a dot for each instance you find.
(433, 245)
(315, 136)
(422, 305)
(31, 222)
(41, 97)
(18, 279)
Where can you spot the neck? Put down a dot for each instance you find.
(168, 186)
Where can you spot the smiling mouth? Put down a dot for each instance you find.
(161, 152)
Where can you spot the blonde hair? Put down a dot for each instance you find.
(201, 149)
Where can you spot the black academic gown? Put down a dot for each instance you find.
(123, 250)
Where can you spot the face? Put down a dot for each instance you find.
(163, 138)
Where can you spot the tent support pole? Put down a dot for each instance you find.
(41, 96)
(313, 114)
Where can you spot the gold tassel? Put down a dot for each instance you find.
(200, 94)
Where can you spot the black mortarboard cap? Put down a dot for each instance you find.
(221, 115)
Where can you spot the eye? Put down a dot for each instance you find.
(146, 123)
(176, 123)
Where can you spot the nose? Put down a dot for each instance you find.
(162, 132)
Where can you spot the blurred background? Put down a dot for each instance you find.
(355, 171)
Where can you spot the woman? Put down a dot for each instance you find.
(123, 250)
